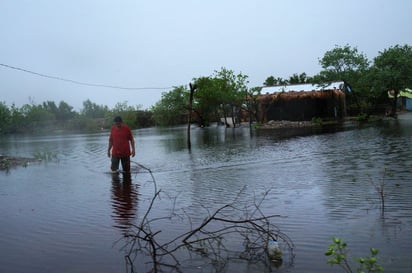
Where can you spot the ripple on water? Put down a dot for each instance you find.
(322, 185)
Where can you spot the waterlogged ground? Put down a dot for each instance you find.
(8, 162)
(68, 214)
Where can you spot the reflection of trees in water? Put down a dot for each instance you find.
(124, 201)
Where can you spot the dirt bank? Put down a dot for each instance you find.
(7, 162)
(287, 124)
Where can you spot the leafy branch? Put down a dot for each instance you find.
(339, 256)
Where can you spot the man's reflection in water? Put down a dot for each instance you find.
(124, 201)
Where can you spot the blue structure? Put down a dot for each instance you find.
(409, 104)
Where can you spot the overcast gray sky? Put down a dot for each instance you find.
(165, 43)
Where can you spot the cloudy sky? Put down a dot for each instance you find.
(149, 46)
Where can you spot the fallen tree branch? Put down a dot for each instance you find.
(229, 232)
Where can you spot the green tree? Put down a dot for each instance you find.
(92, 117)
(299, 78)
(92, 110)
(348, 64)
(50, 107)
(127, 112)
(5, 118)
(392, 70)
(343, 63)
(221, 94)
(172, 107)
(17, 119)
(251, 105)
(272, 81)
(65, 112)
(37, 118)
(207, 99)
(122, 107)
(233, 89)
(144, 119)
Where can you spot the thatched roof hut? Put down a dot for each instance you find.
(302, 102)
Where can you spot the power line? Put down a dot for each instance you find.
(82, 83)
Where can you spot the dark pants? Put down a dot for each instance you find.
(125, 163)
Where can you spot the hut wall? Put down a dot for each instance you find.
(300, 106)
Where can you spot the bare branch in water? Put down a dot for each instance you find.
(227, 233)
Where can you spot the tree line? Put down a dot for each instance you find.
(51, 117)
(225, 95)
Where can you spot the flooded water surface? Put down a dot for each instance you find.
(68, 214)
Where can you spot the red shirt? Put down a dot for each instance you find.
(120, 139)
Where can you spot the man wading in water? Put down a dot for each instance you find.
(120, 140)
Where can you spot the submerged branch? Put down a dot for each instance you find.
(220, 237)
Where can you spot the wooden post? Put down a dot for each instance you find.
(189, 116)
(395, 103)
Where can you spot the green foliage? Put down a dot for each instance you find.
(220, 95)
(363, 117)
(257, 125)
(390, 70)
(370, 264)
(225, 94)
(251, 104)
(17, 120)
(393, 68)
(317, 120)
(5, 163)
(48, 117)
(144, 119)
(5, 117)
(127, 112)
(299, 78)
(45, 155)
(65, 112)
(343, 63)
(92, 110)
(208, 98)
(346, 64)
(172, 107)
(338, 254)
(271, 81)
(82, 123)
